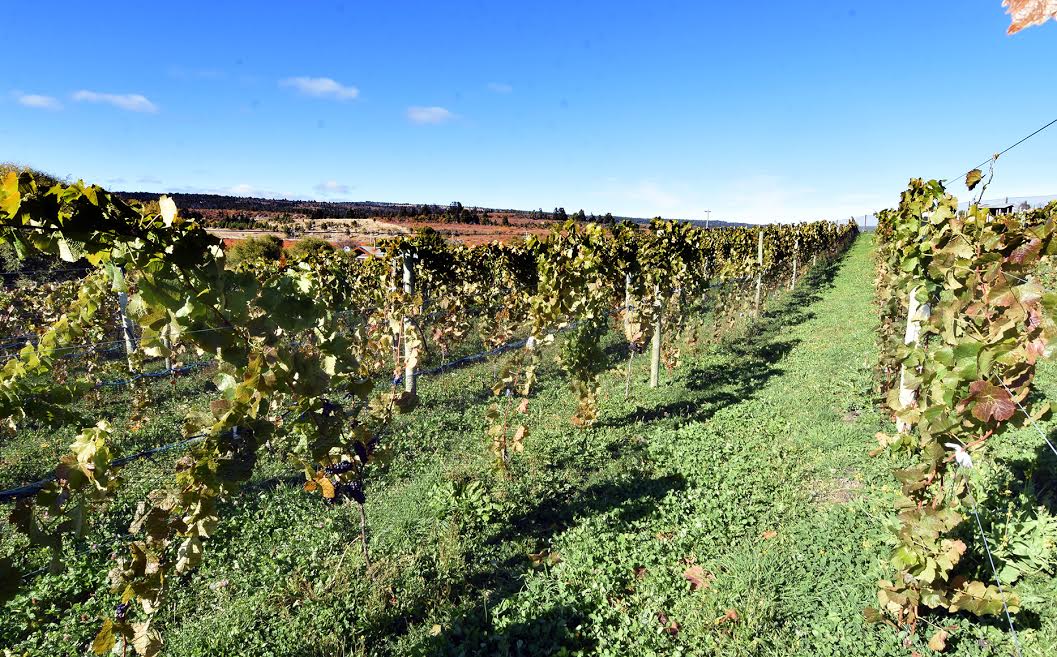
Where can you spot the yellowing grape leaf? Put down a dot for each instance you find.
(973, 178)
(104, 641)
(328, 488)
(938, 642)
(1025, 13)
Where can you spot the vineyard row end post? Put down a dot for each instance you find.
(759, 272)
(917, 314)
(655, 352)
(126, 327)
(409, 289)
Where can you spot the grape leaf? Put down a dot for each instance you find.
(992, 402)
(938, 642)
(104, 641)
(973, 178)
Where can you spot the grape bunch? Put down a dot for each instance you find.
(353, 490)
(338, 468)
(121, 611)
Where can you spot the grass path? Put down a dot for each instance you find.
(746, 472)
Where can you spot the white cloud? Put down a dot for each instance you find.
(429, 115)
(331, 188)
(129, 102)
(38, 101)
(321, 88)
(500, 87)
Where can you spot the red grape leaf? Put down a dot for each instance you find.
(992, 402)
(1025, 13)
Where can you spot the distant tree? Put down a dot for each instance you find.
(559, 214)
(579, 215)
(265, 247)
(608, 219)
(308, 246)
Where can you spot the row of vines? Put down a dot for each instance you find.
(315, 357)
(964, 321)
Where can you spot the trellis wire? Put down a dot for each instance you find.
(998, 580)
(1031, 420)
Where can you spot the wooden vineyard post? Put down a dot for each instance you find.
(126, 327)
(655, 352)
(917, 313)
(409, 352)
(759, 273)
(165, 340)
(627, 304)
(796, 256)
(627, 334)
(399, 337)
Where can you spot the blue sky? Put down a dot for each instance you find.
(778, 111)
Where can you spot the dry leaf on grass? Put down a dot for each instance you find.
(698, 578)
(730, 615)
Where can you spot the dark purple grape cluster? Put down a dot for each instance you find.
(361, 451)
(338, 468)
(353, 490)
(121, 611)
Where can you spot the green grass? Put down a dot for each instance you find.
(750, 462)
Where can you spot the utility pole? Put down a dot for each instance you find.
(708, 215)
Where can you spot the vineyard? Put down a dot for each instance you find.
(605, 440)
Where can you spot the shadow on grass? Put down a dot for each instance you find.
(475, 632)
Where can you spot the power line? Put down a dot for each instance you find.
(1000, 154)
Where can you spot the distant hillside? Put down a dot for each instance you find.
(341, 209)
(359, 209)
